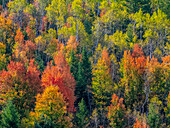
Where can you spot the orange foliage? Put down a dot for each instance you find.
(52, 105)
(135, 61)
(106, 59)
(166, 62)
(44, 23)
(71, 44)
(6, 24)
(139, 59)
(152, 64)
(7, 30)
(60, 47)
(23, 50)
(59, 75)
(158, 75)
(116, 104)
(133, 69)
(116, 113)
(139, 124)
(19, 38)
(31, 30)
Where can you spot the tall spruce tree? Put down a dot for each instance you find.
(83, 75)
(80, 90)
(87, 76)
(74, 65)
(10, 116)
(81, 115)
(86, 67)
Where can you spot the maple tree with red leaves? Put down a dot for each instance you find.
(59, 75)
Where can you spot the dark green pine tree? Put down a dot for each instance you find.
(135, 5)
(82, 74)
(10, 116)
(86, 67)
(74, 65)
(81, 115)
(40, 61)
(81, 87)
(87, 77)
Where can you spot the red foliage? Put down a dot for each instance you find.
(29, 48)
(137, 51)
(1, 8)
(103, 11)
(32, 77)
(44, 23)
(59, 75)
(20, 84)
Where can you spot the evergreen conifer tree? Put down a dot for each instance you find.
(74, 65)
(10, 116)
(86, 67)
(81, 115)
(87, 77)
(81, 87)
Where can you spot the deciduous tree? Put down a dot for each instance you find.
(52, 105)
(10, 116)
(117, 112)
(59, 75)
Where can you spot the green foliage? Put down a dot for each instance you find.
(83, 78)
(81, 115)
(39, 61)
(167, 110)
(10, 116)
(81, 87)
(44, 122)
(135, 5)
(154, 117)
(102, 81)
(86, 67)
(74, 65)
(3, 58)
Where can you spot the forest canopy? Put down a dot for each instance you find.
(84, 63)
